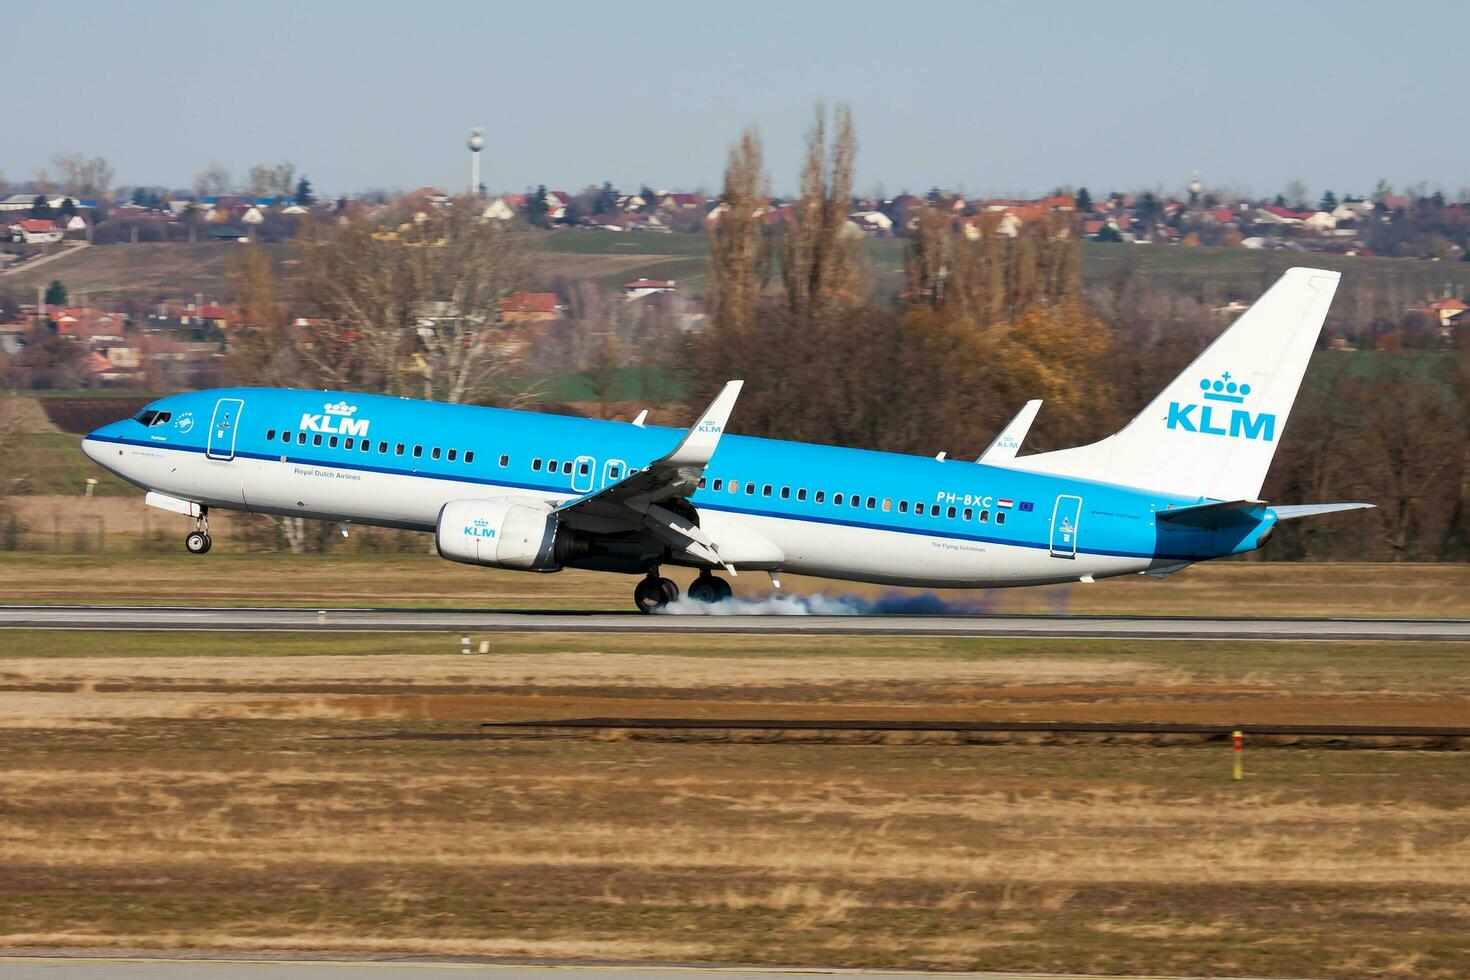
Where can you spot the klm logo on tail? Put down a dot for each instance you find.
(1218, 420)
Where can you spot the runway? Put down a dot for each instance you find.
(280, 619)
(122, 968)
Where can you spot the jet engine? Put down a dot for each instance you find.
(507, 532)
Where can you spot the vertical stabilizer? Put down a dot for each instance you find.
(1213, 431)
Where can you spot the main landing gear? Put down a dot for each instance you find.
(653, 593)
(198, 541)
(707, 588)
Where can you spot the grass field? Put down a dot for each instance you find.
(612, 259)
(245, 792)
(229, 577)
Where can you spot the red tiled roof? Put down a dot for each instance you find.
(529, 303)
(37, 224)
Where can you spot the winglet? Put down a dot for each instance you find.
(1005, 445)
(704, 435)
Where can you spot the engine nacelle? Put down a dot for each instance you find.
(506, 532)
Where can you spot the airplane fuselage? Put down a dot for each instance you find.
(829, 511)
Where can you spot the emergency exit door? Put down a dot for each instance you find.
(1064, 518)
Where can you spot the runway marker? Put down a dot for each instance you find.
(1236, 750)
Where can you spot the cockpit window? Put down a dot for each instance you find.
(151, 417)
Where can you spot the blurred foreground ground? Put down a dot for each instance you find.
(223, 577)
(246, 791)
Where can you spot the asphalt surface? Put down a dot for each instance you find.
(505, 621)
(65, 968)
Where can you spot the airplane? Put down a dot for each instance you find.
(1178, 484)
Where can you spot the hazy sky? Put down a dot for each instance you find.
(991, 98)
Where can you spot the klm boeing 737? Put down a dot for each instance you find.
(540, 493)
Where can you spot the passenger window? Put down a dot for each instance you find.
(536, 466)
(785, 493)
(951, 513)
(734, 486)
(766, 490)
(718, 485)
(819, 496)
(453, 455)
(383, 447)
(418, 451)
(699, 487)
(301, 438)
(887, 504)
(750, 489)
(567, 467)
(347, 443)
(551, 466)
(316, 440)
(504, 460)
(367, 445)
(270, 433)
(873, 502)
(801, 494)
(857, 500)
(1000, 517)
(969, 514)
(434, 453)
(837, 500)
(332, 443)
(469, 455)
(285, 437)
(985, 517)
(583, 469)
(903, 506)
(616, 471)
(398, 449)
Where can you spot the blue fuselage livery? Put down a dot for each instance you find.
(541, 493)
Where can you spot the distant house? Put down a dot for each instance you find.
(529, 307)
(639, 288)
(24, 202)
(498, 209)
(250, 215)
(872, 222)
(35, 231)
(1449, 311)
(1319, 221)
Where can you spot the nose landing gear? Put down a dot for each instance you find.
(654, 592)
(198, 542)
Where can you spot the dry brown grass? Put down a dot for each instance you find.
(230, 801)
(1234, 588)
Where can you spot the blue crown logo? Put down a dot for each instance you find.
(1223, 389)
(341, 408)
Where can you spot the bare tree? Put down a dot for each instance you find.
(83, 176)
(213, 181)
(276, 181)
(415, 310)
(819, 257)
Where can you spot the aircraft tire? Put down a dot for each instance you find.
(707, 588)
(670, 590)
(197, 543)
(648, 595)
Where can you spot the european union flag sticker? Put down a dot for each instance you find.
(1027, 505)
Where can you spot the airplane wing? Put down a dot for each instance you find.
(636, 501)
(1005, 445)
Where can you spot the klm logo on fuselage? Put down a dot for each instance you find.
(1214, 418)
(336, 419)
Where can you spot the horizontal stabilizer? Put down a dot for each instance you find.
(1288, 511)
(1216, 515)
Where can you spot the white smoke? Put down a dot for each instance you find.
(888, 604)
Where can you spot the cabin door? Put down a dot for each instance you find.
(1064, 518)
(223, 428)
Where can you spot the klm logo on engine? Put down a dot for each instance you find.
(480, 528)
(336, 419)
(1214, 418)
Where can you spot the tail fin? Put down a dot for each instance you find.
(1213, 430)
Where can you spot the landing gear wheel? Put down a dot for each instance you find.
(709, 589)
(197, 542)
(654, 593)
